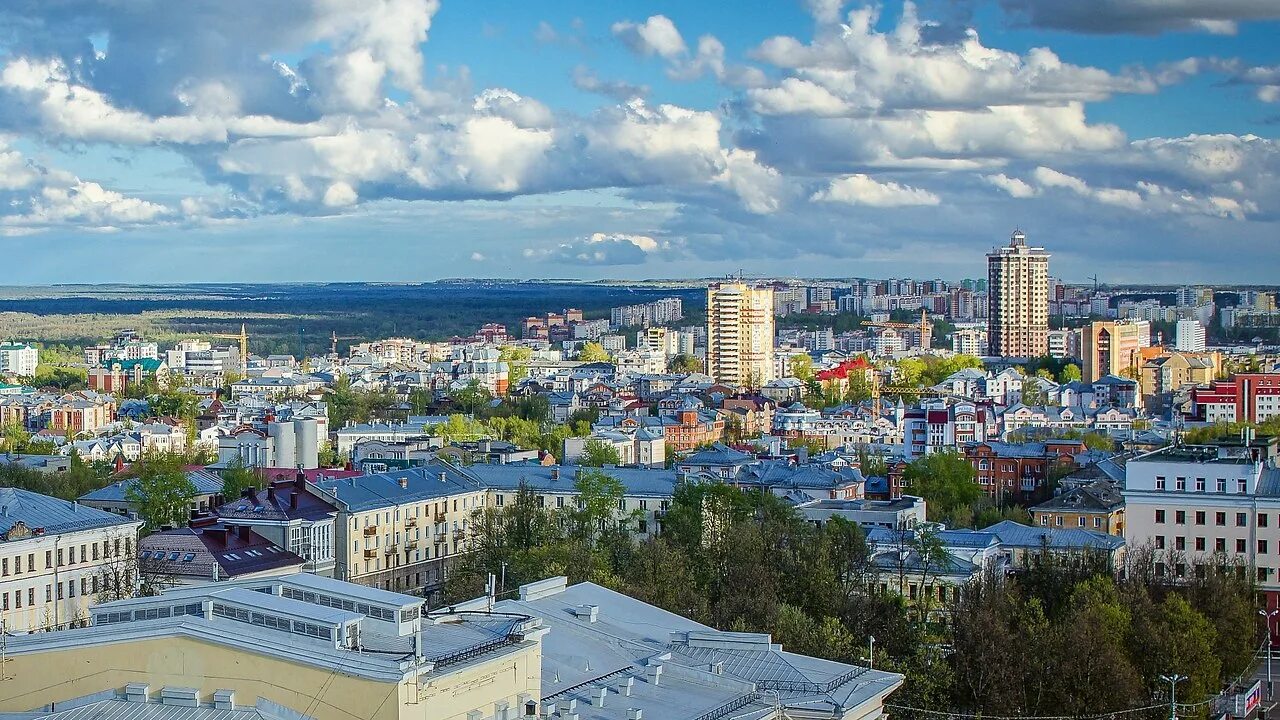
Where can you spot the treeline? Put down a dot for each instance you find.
(1067, 636)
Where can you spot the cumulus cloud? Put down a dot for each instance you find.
(1144, 17)
(655, 36)
(864, 190)
(605, 249)
(1015, 187)
(1146, 196)
(587, 81)
(659, 36)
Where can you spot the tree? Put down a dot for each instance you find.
(162, 491)
(598, 453)
(472, 398)
(685, 364)
(1070, 373)
(594, 352)
(236, 478)
(945, 480)
(802, 367)
(517, 359)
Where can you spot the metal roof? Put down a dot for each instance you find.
(51, 514)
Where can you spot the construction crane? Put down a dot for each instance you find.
(877, 390)
(243, 337)
(924, 328)
(334, 338)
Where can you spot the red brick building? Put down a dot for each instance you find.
(1245, 397)
(1019, 468)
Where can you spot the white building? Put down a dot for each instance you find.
(20, 360)
(1190, 336)
(969, 341)
(1194, 502)
(55, 558)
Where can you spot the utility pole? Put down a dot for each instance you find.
(1173, 681)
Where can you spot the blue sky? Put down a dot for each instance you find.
(148, 141)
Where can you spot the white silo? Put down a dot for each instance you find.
(285, 443)
(307, 431)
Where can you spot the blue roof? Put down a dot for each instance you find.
(383, 490)
(52, 514)
(1025, 536)
(637, 481)
(206, 483)
(718, 454)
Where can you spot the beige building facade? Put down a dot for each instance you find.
(740, 334)
(1018, 293)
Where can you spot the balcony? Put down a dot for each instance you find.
(391, 548)
(370, 553)
(459, 534)
(439, 518)
(442, 537)
(411, 545)
(411, 522)
(371, 531)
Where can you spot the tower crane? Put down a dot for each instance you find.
(923, 327)
(334, 338)
(243, 337)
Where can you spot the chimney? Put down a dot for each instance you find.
(655, 675)
(271, 494)
(243, 532)
(635, 714)
(555, 473)
(293, 501)
(404, 482)
(218, 535)
(443, 476)
(598, 695)
(245, 492)
(300, 480)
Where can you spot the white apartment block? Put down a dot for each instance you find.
(57, 557)
(20, 360)
(1193, 502)
(1190, 336)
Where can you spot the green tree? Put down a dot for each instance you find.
(802, 367)
(945, 480)
(598, 453)
(1070, 373)
(517, 359)
(594, 352)
(162, 491)
(685, 364)
(236, 478)
(472, 398)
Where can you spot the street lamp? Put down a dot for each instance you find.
(1173, 681)
(1267, 617)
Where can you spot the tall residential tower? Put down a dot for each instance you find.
(1018, 294)
(740, 334)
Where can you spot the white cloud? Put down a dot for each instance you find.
(605, 249)
(655, 36)
(339, 194)
(1145, 17)
(864, 190)
(1147, 196)
(478, 257)
(1015, 187)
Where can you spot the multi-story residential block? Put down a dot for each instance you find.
(210, 550)
(1113, 347)
(79, 412)
(115, 375)
(1190, 336)
(1064, 343)
(293, 646)
(19, 360)
(293, 519)
(1020, 468)
(1192, 503)
(1245, 397)
(740, 331)
(659, 312)
(1018, 296)
(969, 341)
(940, 426)
(56, 557)
(1165, 373)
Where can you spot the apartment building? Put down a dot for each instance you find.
(299, 646)
(740, 334)
(1098, 506)
(1113, 347)
(56, 557)
(290, 517)
(1245, 397)
(17, 359)
(1018, 296)
(1194, 502)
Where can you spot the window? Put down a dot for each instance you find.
(1180, 517)
(1097, 522)
(1159, 542)
(1222, 485)
(559, 501)
(4, 566)
(1080, 520)
(1242, 486)
(1159, 517)
(1199, 517)
(1181, 484)
(1180, 543)
(1242, 519)
(1058, 521)
(1262, 520)
(1240, 545)
(1160, 482)
(1200, 544)
(1220, 545)
(1220, 519)
(1262, 547)
(48, 559)
(1199, 484)
(498, 500)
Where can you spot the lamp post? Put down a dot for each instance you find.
(1267, 617)
(1173, 681)
(871, 656)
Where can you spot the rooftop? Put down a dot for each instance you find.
(32, 513)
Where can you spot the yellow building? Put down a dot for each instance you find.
(1163, 374)
(301, 646)
(1018, 298)
(740, 334)
(1099, 507)
(1113, 347)
(57, 557)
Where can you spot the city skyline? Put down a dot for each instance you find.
(416, 140)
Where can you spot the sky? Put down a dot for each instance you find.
(411, 140)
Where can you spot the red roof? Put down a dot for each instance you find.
(842, 370)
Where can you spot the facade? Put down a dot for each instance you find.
(291, 518)
(740, 334)
(208, 550)
(1190, 336)
(1098, 506)
(1019, 468)
(1166, 373)
(19, 360)
(1245, 397)
(969, 341)
(1113, 347)
(299, 646)
(1018, 297)
(115, 375)
(114, 498)
(1192, 503)
(55, 557)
